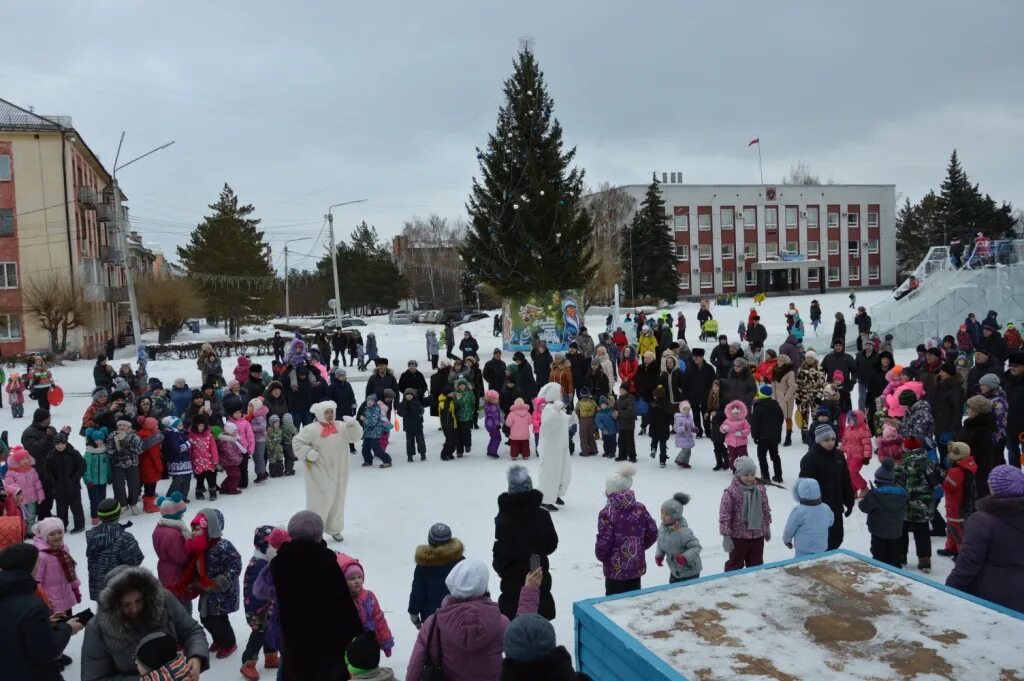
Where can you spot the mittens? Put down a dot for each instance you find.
(659, 560)
(415, 619)
(727, 545)
(680, 560)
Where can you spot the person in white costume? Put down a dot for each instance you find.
(324, 446)
(555, 467)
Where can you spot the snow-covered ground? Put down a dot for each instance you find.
(389, 511)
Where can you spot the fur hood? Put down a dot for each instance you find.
(434, 556)
(318, 409)
(119, 633)
(736, 404)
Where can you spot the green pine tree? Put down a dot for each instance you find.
(228, 259)
(368, 276)
(649, 251)
(529, 232)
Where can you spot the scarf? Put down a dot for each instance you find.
(67, 563)
(810, 502)
(178, 524)
(194, 579)
(752, 506)
(328, 429)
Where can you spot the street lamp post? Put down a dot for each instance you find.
(334, 258)
(287, 306)
(122, 238)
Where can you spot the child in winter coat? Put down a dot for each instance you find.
(257, 418)
(807, 527)
(258, 611)
(231, 454)
(960, 494)
(205, 458)
(247, 439)
(64, 470)
(387, 407)
(736, 430)
(15, 390)
(744, 517)
(157, 658)
(660, 420)
(213, 570)
(21, 471)
(449, 425)
(109, 545)
(124, 447)
(151, 463)
(886, 507)
(606, 427)
(288, 431)
(177, 454)
(625, 530)
(374, 424)
(538, 414)
(890, 445)
(366, 602)
(55, 571)
(410, 409)
(275, 447)
(677, 542)
(169, 537)
(492, 422)
(624, 413)
(911, 475)
(586, 411)
(684, 434)
(518, 422)
(856, 447)
(434, 560)
(714, 419)
(97, 469)
(13, 507)
(465, 409)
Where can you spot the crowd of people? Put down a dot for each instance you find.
(940, 427)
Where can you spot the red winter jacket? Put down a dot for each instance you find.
(620, 340)
(953, 486)
(151, 463)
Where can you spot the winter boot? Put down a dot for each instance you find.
(789, 439)
(149, 505)
(271, 661)
(249, 670)
(924, 563)
(764, 473)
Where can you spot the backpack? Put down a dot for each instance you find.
(641, 407)
(969, 504)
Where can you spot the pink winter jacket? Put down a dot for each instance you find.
(246, 436)
(518, 422)
(171, 556)
(63, 594)
(472, 632)
(730, 513)
(27, 479)
(241, 371)
(538, 409)
(894, 408)
(736, 428)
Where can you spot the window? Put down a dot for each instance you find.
(833, 248)
(771, 218)
(707, 280)
(854, 273)
(750, 251)
(704, 222)
(812, 275)
(833, 274)
(854, 248)
(729, 279)
(6, 222)
(873, 272)
(684, 281)
(5, 168)
(852, 219)
(705, 252)
(728, 251)
(812, 248)
(728, 217)
(872, 219)
(792, 247)
(771, 250)
(10, 326)
(872, 245)
(750, 278)
(791, 216)
(812, 216)
(749, 218)
(681, 222)
(8, 275)
(682, 252)
(833, 219)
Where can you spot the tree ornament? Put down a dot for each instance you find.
(542, 192)
(515, 206)
(529, 93)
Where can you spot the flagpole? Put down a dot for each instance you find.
(760, 167)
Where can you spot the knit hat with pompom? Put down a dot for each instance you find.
(621, 480)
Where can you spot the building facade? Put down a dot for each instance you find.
(57, 227)
(750, 238)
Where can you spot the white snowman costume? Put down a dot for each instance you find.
(555, 466)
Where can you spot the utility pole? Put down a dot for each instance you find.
(334, 258)
(287, 304)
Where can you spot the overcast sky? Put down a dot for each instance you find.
(301, 105)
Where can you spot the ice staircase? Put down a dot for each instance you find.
(992, 279)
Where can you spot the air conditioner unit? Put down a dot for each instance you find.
(803, 213)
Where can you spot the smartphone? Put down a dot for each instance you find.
(206, 405)
(84, 616)
(534, 562)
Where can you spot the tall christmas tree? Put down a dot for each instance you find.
(649, 251)
(227, 258)
(528, 232)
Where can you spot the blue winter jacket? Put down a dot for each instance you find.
(433, 563)
(807, 527)
(177, 452)
(606, 422)
(180, 398)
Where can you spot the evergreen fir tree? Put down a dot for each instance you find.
(368, 275)
(529, 230)
(649, 251)
(228, 258)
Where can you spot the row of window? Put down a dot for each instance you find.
(10, 326)
(771, 217)
(705, 251)
(707, 279)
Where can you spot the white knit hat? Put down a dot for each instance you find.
(468, 579)
(621, 480)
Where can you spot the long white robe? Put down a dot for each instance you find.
(555, 465)
(326, 469)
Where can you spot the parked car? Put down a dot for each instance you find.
(400, 317)
(324, 326)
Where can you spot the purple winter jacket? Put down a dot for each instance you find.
(991, 560)
(472, 632)
(492, 417)
(730, 513)
(625, 530)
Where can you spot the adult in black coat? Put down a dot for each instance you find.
(64, 471)
(255, 387)
(381, 379)
(993, 341)
(720, 357)
(494, 371)
(839, 329)
(597, 382)
(947, 401)
(340, 391)
(578, 365)
(826, 464)
(699, 377)
(840, 360)
(766, 422)
(521, 529)
(984, 363)
(1013, 385)
(756, 335)
(863, 322)
(875, 379)
(32, 645)
(103, 374)
(437, 383)
(541, 362)
(449, 339)
(739, 384)
(977, 432)
(468, 345)
(413, 378)
(528, 385)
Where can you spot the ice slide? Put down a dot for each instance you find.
(990, 280)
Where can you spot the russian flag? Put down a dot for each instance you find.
(756, 140)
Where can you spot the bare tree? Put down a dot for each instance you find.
(430, 260)
(610, 209)
(801, 174)
(168, 303)
(56, 306)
